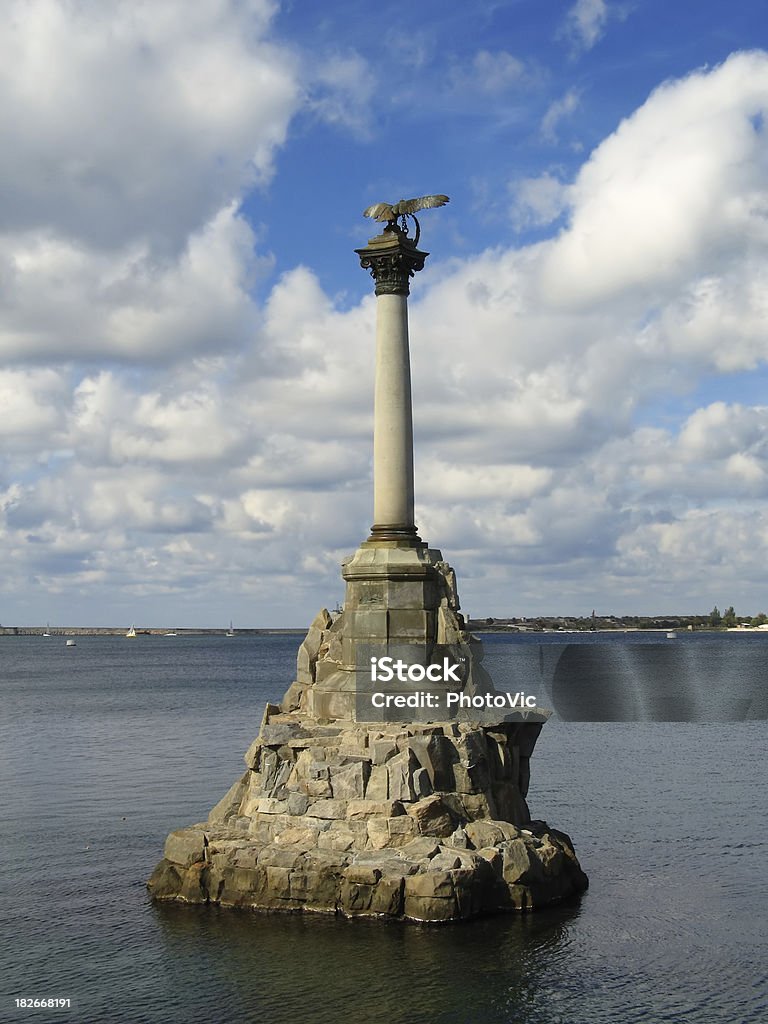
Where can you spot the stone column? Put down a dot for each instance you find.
(392, 259)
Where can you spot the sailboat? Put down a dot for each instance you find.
(230, 631)
(47, 629)
(131, 632)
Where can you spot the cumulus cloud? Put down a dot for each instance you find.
(135, 120)
(216, 449)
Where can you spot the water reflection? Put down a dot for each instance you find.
(311, 967)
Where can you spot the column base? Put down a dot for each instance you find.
(403, 535)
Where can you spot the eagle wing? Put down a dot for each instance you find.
(380, 211)
(423, 203)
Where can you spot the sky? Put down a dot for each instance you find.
(187, 339)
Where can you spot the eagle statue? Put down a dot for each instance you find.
(392, 212)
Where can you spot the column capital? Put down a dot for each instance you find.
(393, 259)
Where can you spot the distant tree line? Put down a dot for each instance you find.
(715, 620)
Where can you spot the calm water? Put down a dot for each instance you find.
(106, 747)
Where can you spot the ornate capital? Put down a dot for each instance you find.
(392, 259)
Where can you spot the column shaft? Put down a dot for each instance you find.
(393, 419)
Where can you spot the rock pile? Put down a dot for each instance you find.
(423, 821)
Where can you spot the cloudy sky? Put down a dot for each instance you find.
(186, 338)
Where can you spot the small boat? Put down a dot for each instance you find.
(671, 635)
(170, 634)
(70, 643)
(230, 631)
(131, 632)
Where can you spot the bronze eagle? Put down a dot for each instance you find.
(392, 212)
(405, 207)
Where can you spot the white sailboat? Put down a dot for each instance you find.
(131, 632)
(230, 631)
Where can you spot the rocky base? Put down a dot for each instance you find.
(419, 822)
(486, 867)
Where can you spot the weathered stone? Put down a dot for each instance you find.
(364, 809)
(328, 809)
(297, 803)
(489, 833)
(185, 846)
(400, 771)
(251, 756)
(432, 816)
(348, 783)
(269, 806)
(421, 785)
(517, 861)
(421, 848)
(278, 734)
(229, 805)
(425, 908)
(323, 799)
(382, 750)
(378, 783)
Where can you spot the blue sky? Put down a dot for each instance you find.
(186, 340)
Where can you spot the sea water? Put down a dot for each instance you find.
(107, 746)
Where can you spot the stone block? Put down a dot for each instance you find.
(434, 884)
(367, 624)
(348, 783)
(302, 838)
(400, 771)
(427, 909)
(267, 805)
(229, 804)
(421, 849)
(387, 896)
(438, 755)
(478, 805)
(382, 750)
(278, 883)
(333, 809)
(517, 861)
(279, 734)
(362, 874)
(251, 756)
(432, 816)
(489, 833)
(421, 785)
(448, 628)
(336, 838)
(378, 783)
(401, 826)
(378, 833)
(185, 846)
(322, 620)
(364, 809)
(297, 803)
(411, 624)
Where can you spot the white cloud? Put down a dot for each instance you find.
(214, 446)
(537, 201)
(585, 22)
(63, 300)
(134, 120)
(341, 90)
(557, 111)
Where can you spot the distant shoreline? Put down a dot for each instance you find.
(142, 631)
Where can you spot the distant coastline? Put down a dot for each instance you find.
(140, 631)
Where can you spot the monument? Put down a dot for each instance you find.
(387, 782)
